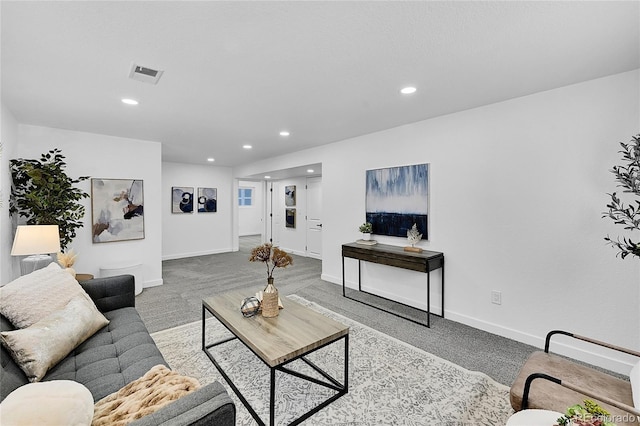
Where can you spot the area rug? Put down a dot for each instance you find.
(390, 382)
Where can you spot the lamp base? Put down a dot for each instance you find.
(34, 262)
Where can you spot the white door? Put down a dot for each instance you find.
(314, 215)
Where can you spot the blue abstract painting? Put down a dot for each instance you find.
(398, 197)
(207, 200)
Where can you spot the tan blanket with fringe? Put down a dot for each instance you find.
(157, 388)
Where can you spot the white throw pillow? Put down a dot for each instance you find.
(39, 347)
(634, 378)
(54, 403)
(32, 297)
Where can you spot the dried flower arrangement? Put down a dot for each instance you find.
(273, 257)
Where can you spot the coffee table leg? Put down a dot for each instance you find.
(272, 398)
(346, 363)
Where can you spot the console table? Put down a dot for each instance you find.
(385, 254)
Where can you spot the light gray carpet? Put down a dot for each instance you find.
(187, 281)
(390, 382)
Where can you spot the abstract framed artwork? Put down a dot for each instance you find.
(207, 200)
(396, 198)
(290, 195)
(290, 218)
(182, 199)
(117, 210)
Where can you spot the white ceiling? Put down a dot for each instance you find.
(239, 72)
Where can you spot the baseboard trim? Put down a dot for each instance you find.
(603, 360)
(195, 254)
(153, 283)
(292, 251)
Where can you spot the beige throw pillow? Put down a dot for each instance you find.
(32, 297)
(42, 345)
(54, 403)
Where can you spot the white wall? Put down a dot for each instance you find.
(101, 156)
(197, 234)
(9, 142)
(250, 220)
(517, 193)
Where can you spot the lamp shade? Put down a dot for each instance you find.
(36, 239)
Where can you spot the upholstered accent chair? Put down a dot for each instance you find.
(553, 382)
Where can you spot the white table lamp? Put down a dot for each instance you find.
(37, 242)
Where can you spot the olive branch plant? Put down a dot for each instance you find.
(627, 215)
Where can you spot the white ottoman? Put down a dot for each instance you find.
(54, 403)
(534, 418)
(134, 269)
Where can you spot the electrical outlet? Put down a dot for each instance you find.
(496, 297)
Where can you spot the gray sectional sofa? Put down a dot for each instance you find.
(118, 354)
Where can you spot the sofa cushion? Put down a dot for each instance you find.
(116, 355)
(42, 345)
(28, 299)
(59, 402)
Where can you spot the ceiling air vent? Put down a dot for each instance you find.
(145, 74)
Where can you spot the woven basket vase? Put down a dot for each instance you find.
(270, 300)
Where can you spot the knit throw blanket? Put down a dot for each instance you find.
(157, 388)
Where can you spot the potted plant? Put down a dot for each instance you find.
(628, 177)
(366, 229)
(44, 194)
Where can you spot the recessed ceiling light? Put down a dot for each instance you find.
(267, 177)
(129, 101)
(247, 146)
(284, 133)
(408, 90)
(211, 159)
(309, 170)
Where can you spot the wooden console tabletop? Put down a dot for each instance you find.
(385, 254)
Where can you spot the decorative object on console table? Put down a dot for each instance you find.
(36, 242)
(414, 237)
(273, 258)
(366, 229)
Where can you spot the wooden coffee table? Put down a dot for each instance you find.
(296, 332)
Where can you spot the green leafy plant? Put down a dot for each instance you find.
(627, 215)
(44, 194)
(366, 228)
(591, 414)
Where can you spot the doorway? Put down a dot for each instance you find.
(314, 217)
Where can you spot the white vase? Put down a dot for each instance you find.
(366, 236)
